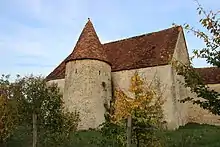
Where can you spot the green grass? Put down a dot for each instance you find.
(194, 135)
(191, 135)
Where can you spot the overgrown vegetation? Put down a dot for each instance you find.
(30, 101)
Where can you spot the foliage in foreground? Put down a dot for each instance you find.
(9, 114)
(191, 135)
(145, 109)
(32, 96)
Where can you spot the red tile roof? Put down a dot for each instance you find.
(210, 75)
(137, 52)
(143, 51)
(88, 46)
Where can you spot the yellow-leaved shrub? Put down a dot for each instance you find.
(145, 99)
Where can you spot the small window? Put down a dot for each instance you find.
(99, 72)
(76, 71)
(103, 84)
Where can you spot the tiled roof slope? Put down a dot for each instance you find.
(88, 45)
(136, 52)
(143, 51)
(210, 75)
(59, 71)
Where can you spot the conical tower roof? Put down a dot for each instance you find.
(88, 46)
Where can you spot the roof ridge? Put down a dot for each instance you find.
(141, 35)
(205, 67)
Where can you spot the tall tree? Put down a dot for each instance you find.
(42, 103)
(210, 34)
(9, 117)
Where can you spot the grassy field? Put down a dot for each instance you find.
(194, 135)
(191, 135)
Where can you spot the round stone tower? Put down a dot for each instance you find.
(88, 79)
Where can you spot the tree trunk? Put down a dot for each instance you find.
(129, 131)
(2, 144)
(138, 141)
(34, 129)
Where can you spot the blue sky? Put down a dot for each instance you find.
(36, 35)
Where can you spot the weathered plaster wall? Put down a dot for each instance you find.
(161, 79)
(60, 83)
(181, 52)
(199, 115)
(180, 92)
(87, 88)
(215, 87)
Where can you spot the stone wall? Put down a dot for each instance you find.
(87, 88)
(60, 83)
(180, 92)
(199, 115)
(161, 79)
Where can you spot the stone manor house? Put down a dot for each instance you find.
(90, 73)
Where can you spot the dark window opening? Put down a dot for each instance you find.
(99, 72)
(76, 71)
(103, 84)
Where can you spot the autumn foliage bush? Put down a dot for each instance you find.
(145, 108)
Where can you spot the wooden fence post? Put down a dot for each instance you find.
(129, 120)
(34, 129)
